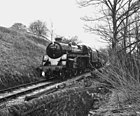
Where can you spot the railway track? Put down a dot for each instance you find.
(36, 89)
(13, 93)
(20, 86)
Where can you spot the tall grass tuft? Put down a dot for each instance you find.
(123, 73)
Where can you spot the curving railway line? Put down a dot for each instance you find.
(15, 92)
(20, 86)
(34, 90)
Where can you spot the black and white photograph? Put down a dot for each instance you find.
(69, 58)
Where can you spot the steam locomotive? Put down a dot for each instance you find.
(66, 60)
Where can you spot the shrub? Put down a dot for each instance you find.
(4, 30)
(123, 75)
(38, 27)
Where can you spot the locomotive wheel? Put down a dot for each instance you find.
(75, 72)
(63, 74)
(70, 73)
(80, 71)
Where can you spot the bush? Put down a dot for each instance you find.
(38, 27)
(19, 27)
(4, 30)
(123, 75)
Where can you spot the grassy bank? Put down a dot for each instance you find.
(74, 100)
(20, 54)
(124, 76)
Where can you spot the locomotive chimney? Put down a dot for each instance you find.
(59, 39)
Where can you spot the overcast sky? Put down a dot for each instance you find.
(63, 14)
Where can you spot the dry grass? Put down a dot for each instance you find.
(20, 55)
(124, 75)
(68, 102)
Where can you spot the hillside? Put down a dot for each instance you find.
(20, 54)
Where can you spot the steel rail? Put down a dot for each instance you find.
(22, 92)
(20, 86)
(48, 88)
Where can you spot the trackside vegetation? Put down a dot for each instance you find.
(20, 53)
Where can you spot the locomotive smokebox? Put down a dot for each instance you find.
(54, 50)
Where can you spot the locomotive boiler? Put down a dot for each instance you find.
(66, 60)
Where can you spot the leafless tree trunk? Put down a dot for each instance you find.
(117, 15)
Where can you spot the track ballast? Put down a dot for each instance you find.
(35, 90)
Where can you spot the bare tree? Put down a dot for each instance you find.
(38, 27)
(137, 33)
(115, 20)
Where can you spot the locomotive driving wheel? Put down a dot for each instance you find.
(75, 72)
(63, 74)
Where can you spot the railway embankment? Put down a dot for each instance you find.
(84, 98)
(75, 100)
(20, 54)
